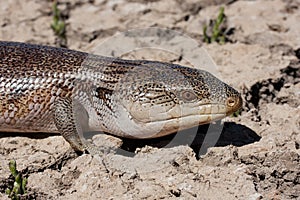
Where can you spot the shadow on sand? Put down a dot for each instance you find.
(198, 138)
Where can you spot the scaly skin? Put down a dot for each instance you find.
(47, 89)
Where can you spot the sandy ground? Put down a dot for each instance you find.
(257, 155)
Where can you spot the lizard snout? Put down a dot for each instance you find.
(233, 104)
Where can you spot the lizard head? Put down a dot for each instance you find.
(157, 99)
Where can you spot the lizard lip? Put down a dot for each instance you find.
(233, 104)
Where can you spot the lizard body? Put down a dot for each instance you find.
(48, 89)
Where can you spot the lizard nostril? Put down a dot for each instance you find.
(231, 101)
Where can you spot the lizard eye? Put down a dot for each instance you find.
(188, 96)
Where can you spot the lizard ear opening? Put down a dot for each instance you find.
(104, 95)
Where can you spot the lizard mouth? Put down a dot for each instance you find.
(204, 112)
(173, 125)
(164, 123)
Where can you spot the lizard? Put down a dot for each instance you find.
(58, 90)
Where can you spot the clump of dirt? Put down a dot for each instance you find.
(268, 90)
(277, 174)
